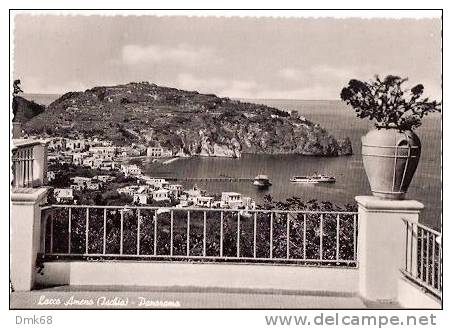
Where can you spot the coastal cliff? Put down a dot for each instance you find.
(186, 122)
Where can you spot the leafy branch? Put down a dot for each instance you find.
(386, 102)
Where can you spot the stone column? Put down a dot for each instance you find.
(25, 236)
(381, 244)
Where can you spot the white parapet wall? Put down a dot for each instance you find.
(25, 235)
(215, 275)
(381, 244)
(410, 295)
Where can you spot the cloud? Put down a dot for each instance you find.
(182, 54)
(290, 73)
(222, 87)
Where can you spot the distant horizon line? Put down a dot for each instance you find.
(235, 98)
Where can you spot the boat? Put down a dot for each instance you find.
(261, 181)
(313, 179)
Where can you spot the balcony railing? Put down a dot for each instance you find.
(423, 257)
(29, 163)
(199, 234)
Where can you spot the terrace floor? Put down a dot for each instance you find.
(134, 297)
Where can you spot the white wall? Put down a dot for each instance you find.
(166, 274)
(411, 295)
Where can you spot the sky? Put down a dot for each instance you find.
(272, 58)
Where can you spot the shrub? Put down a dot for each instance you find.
(386, 102)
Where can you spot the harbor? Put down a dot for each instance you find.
(208, 179)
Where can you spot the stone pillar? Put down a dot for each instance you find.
(25, 236)
(381, 244)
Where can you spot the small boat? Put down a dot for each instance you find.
(261, 181)
(313, 179)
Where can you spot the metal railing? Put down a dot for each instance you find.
(199, 234)
(22, 166)
(423, 257)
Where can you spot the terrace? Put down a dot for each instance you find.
(380, 255)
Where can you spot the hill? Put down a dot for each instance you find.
(24, 110)
(184, 121)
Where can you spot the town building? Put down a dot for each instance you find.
(249, 203)
(75, 144)
(63, 195)
(104, 152)
(77, 187)
(88, 162)
(128, 190)
(155, 181)
(93, 186)
(161, 195)
(140, 198)
(176, 189)
(56, 144)
(79, 180)
(231, 200)
(107, 165)
(192, 195)
(104, 178)
(78, 157)
(50, 175)
(158, 152)
(130, 170)
(204, 201)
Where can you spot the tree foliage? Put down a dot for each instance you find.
(16, 87)
(388, 103)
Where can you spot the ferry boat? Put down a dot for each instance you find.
(313, 179)
(261, 181)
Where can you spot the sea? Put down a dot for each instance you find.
(337, 118)
(351, 179)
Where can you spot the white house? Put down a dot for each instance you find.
(79, 180)
(155, 181)
(63, 194)
(204, 201)
(140, 198)
(93, 186)
(161, 195)
(192, 194)
(249, 203)
(104, 178)
(78, 157)
(107, 165)
(75, 144)
(129, 190)
(231, 200)
(158, 152)
(126, 151)
(77, 187)
(56, 144)
(103, 151)
(176, 189)
(143, 189)
(88, 162)
(130, 170)
(51, 176)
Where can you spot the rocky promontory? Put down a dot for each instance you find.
(186, 122)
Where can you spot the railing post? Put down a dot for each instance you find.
(25, 235)
(382, 244)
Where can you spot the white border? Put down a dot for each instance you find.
(203, 319)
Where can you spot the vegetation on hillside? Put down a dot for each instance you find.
(184, 121)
